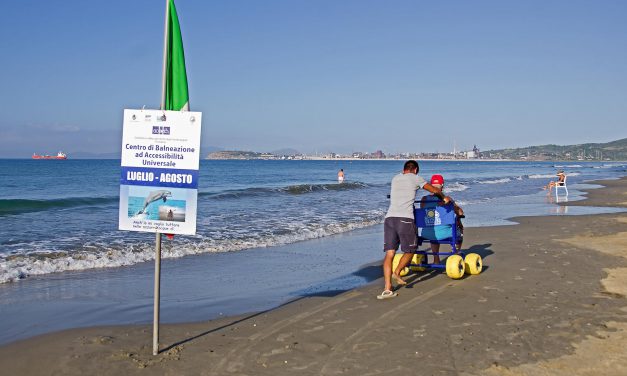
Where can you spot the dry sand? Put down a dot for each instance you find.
(551, 301)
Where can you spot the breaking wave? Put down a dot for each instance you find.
(290, 189)
(495, 181)
(109, 254)
(19, 206)
(455, 187)
(542, 176)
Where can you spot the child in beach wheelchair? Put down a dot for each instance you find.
(443, 233)
(437, 224)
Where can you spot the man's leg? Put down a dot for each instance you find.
(402, 264)
(387, 268)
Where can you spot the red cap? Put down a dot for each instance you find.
(437, 179)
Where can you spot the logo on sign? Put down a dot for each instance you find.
(432, 218)
(158, 129)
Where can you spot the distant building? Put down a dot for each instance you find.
(378, 154)
(358, 154)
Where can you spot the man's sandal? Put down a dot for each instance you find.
(387, 294)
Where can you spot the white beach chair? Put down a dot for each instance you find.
(561, 185)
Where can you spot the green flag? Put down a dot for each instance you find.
(175, 85)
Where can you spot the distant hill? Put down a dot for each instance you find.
(608, 151)
(234, 154)
(238, 154)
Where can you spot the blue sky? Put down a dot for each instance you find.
(327, 75)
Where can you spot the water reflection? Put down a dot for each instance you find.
(556, 209)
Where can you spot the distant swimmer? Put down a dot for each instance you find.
(340, 176)
(155, 196)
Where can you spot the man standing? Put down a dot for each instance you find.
(340, 176)
(399, 227)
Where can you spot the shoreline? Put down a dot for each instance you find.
(520, 315)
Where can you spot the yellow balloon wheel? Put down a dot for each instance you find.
(397, 259)
(455, 266)
(474, 264)
(417, 259)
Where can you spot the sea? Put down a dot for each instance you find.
(60, 216)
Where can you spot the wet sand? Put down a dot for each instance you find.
(550, 301)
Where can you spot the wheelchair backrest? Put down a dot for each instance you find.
(435, 216)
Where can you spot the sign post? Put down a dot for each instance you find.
(159, 179)
(157, 296)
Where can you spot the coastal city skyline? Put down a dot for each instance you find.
(322, 76)
(611, 151)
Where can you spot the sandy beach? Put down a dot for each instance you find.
(550, 301)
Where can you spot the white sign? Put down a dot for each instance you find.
(159, 181)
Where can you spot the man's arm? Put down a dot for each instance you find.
(437, 192)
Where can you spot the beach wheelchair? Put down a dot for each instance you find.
(437, 223)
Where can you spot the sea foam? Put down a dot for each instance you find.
(19, 266)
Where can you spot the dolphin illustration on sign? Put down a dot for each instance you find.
(155, 196)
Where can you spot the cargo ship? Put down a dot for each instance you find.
(60, 155)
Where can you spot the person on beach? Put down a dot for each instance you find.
(441, 231)
(399, 227)
(340, 176)
(561, 180)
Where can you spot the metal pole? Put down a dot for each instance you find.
(155, 324)
(157, 292)
(165, 54)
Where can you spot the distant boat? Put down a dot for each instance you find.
(60, 155)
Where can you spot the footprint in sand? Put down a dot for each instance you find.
(493, 288)
(337, 322)
(419, 333)
(361, 306)
(283, 336)
(368, 346)
(314, 329)
(457, 339)
(314, 347)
